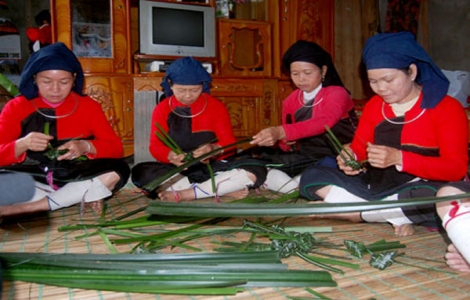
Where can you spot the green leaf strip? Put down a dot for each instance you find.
(167, 140)
(203, 273)
(262, 210)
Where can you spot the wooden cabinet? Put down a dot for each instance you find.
(115, 94)
(148, 82)
(101, 27)
(253, 104)
(285, 87)
(244, 48)
(286, 21)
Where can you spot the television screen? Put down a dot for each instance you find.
(170, 29)
(188, 31)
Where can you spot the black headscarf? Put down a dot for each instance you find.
(400, 50)
(186, 71)
(53, 57)
(312, 53)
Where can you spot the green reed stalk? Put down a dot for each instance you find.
(262, 210)
(195, 274)
(350, 160)
(167, 140)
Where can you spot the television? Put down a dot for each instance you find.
(171, 29)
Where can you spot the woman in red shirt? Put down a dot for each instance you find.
(320, 100)
(413, 136)
(60, 136)
(199, 124)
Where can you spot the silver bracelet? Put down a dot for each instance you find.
(89, 147)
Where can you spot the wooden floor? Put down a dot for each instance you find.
(399, 281)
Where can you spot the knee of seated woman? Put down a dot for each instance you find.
(257, 174)
(109, 179)
(251, 176)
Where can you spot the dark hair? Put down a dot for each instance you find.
(43, 15)
(405, 69)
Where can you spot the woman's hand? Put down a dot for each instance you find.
(204, 149)
(176, 159)
(76, 148)
(269, 136)
(383, 156)
(342, 164)
(34, 141)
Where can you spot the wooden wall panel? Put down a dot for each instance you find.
(355, 21)
(311, 20)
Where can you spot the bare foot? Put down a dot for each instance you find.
(24, 208)
(354, 217)
(175, 196)
(238, 194)
(95, 206)
(455, 260)
(404, 230)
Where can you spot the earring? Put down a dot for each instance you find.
(323, 78)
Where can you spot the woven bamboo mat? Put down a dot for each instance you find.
(424, 251)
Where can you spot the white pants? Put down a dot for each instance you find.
(393, 216)
(226, 182)
(457, 225)
(72, 193)
(278, 181)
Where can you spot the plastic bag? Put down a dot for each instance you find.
(459, 87)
